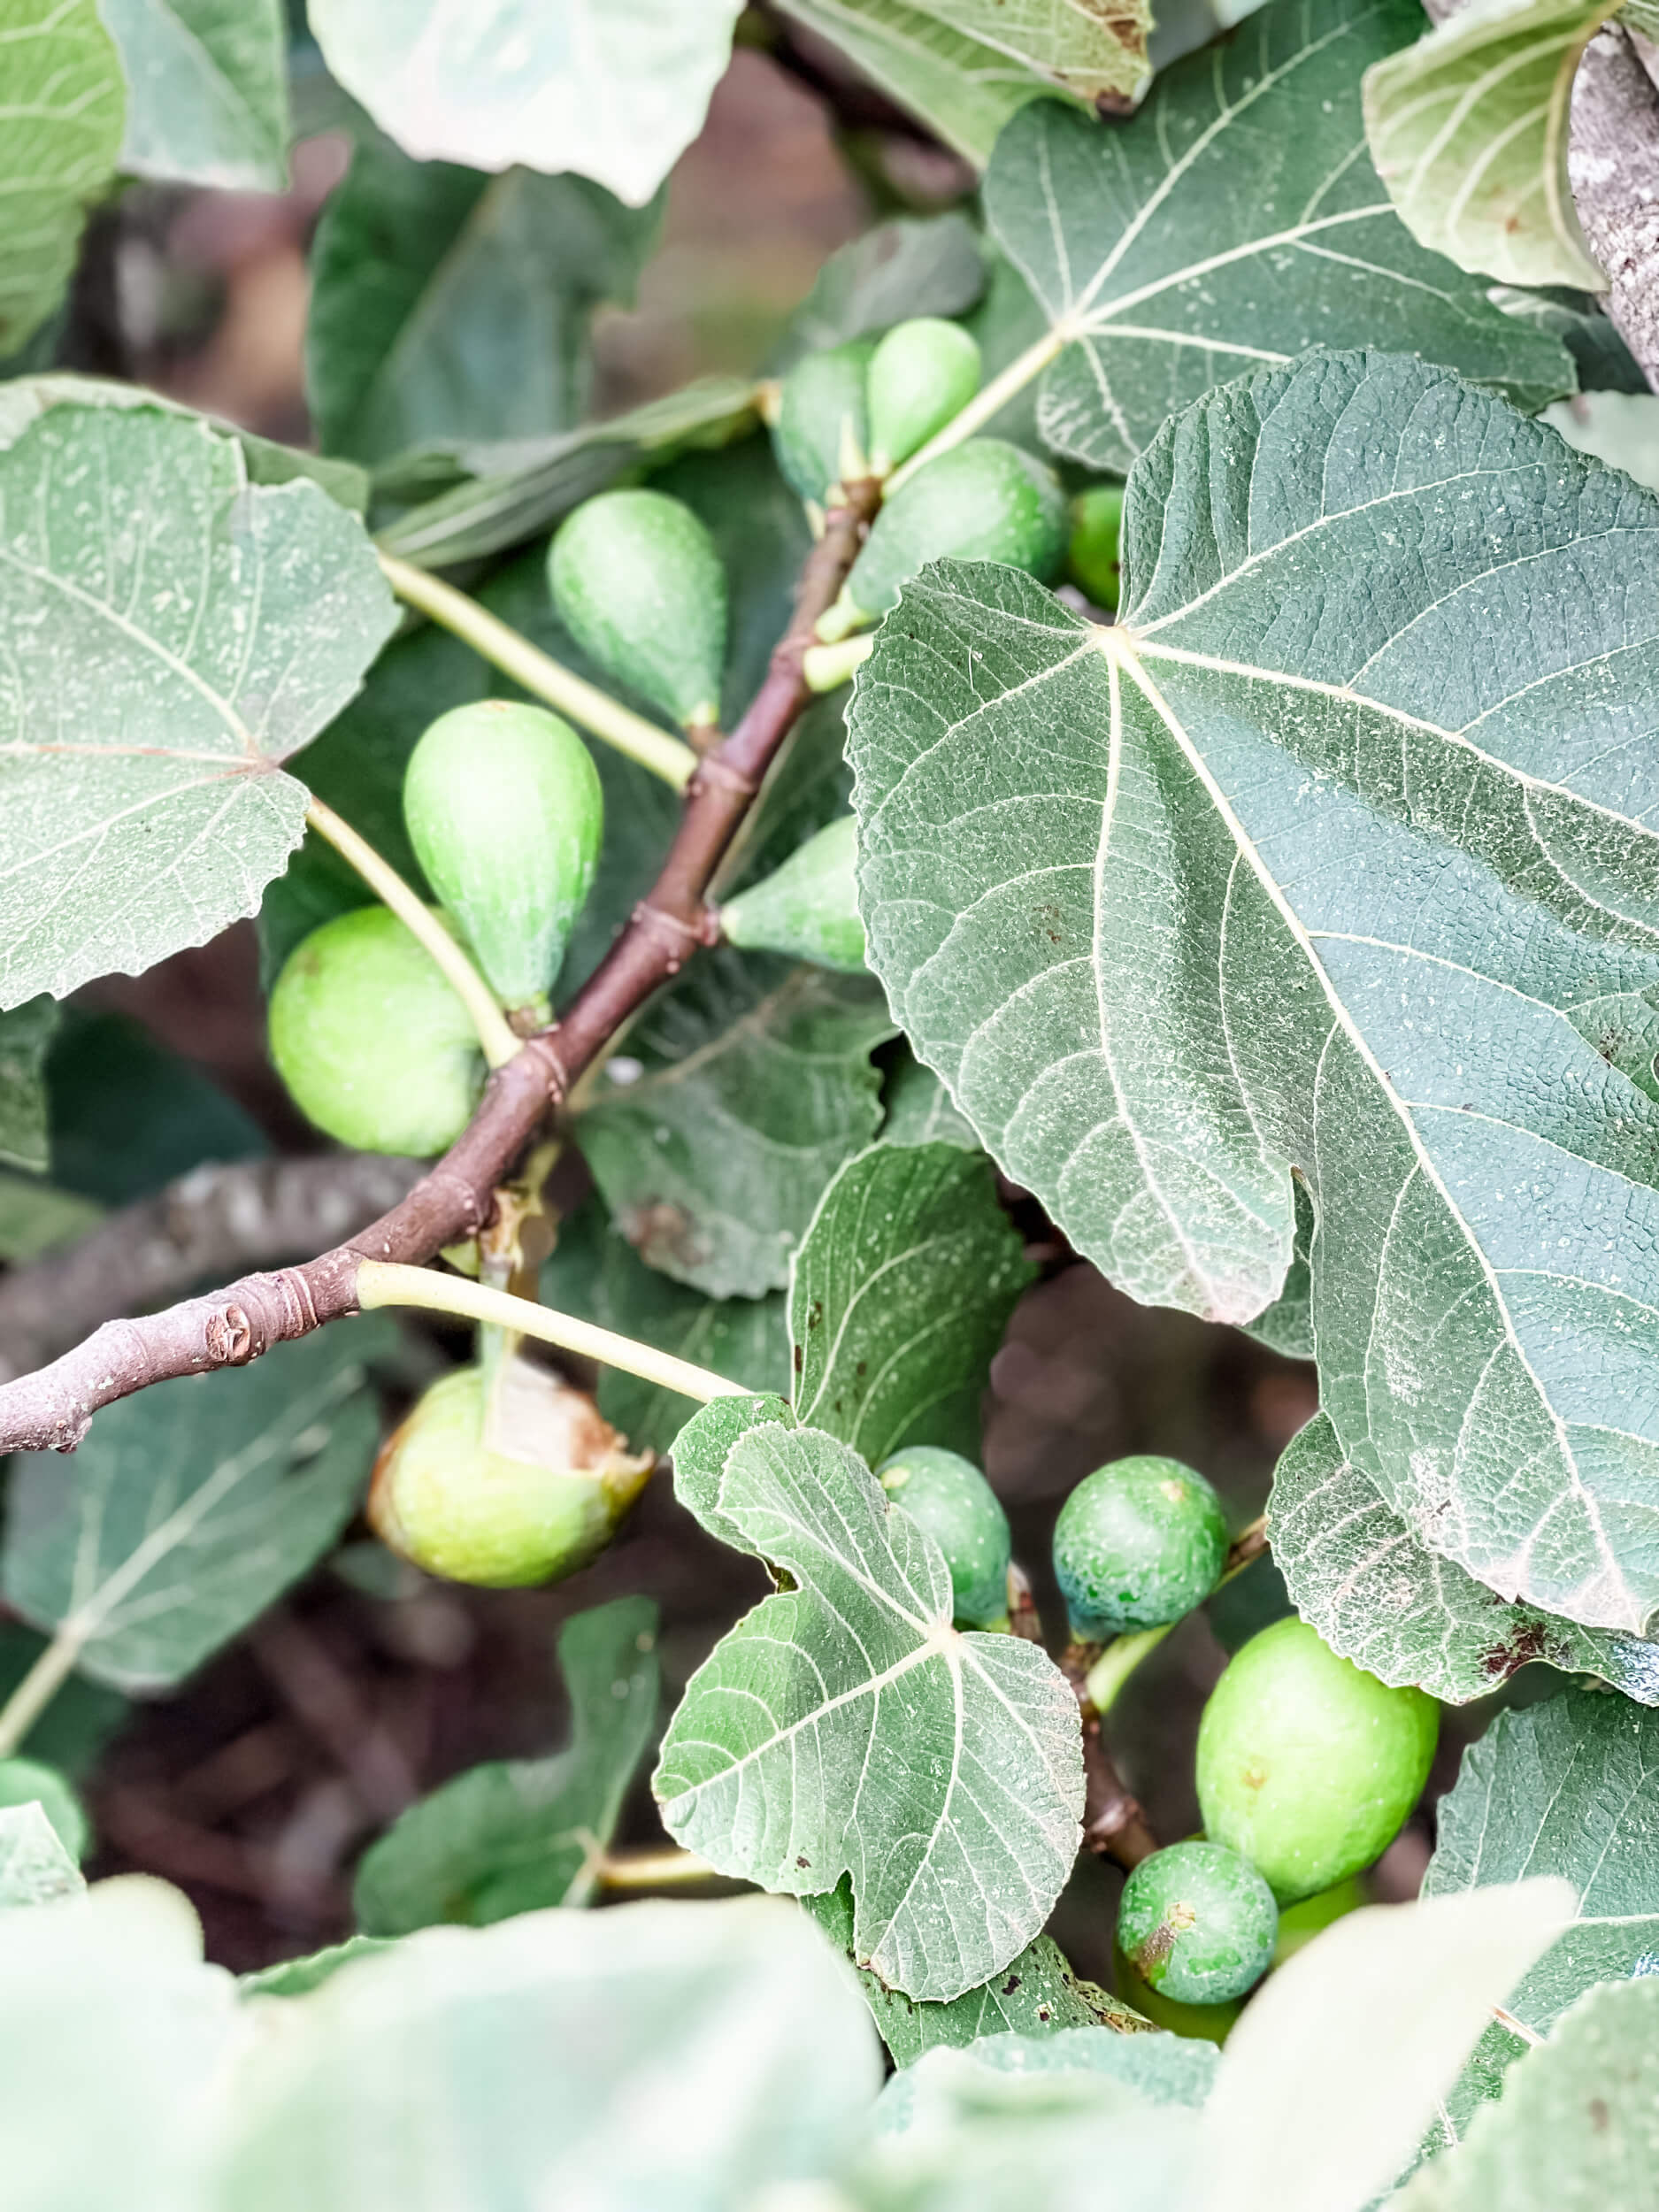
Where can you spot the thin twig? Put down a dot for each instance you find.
(229, 1327)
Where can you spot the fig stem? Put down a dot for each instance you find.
(988, 401)
(651, 1869)
(38, 1687)
(496, 1033)
(601, 716)
(826, 667)
(383, 1283)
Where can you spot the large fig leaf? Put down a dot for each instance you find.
(65, 106)
(1335, 855)
(1234, 221)
(845, 1726)
(172, 633)
(1090, 50)
(207, 90)
(1381, 1597)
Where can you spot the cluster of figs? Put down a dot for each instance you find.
(504, 1474)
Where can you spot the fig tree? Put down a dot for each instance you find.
(506, 815)
(947, 1496)
(371, 1040)
(923, 373)
(1138, 1544)
(1094, 550)
(637, 582)
(1198, 1923)
(821, 437)
(984, 501)
(506, 1485)
(1308, 1764)
(809, 907)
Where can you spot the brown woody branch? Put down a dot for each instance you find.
(50, 1409)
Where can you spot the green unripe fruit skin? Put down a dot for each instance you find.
(984, 501)
(1138, 1544)
(822, 425)
(1094, 550)
(921, 376)
(375, 1046)
(1306, 1763)
(947, 1496)
(1201, 2024)
(1198, 1923)
(461, 1505)
(27, 1782)
(637, 582)
(809, 907)
(506, 816)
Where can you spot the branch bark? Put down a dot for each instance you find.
(50, 1409)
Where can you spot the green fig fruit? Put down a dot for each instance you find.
(1308, 1764)
(637, 582)
(1200, 2024)
(821, 437)
(27, 1782)
(1138, 1544)
(947, 1496)
(984, 501)
(1094, 552)
(1198, 1923)
(371, 1039)
(506, 816)
(506, 1485)
(920, 377)
(809, 907)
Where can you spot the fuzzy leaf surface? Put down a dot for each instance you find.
(174, 633)
(1234, 221)
(1384, 1600)
(736, 1098)
(1570, 1786)
(190, 1507)
(845, 1726)
(1468, 129)
(513, 1835)
(66, 102)
(207, 91)
(35, 1867)
(900, 1293)
(1335, 855)
(614, 89)
(1089, 49)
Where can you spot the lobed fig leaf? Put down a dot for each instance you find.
(506, 815)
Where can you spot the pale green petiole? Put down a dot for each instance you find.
(826, 667)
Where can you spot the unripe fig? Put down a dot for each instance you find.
(947, 1496)
(519, 1483)
(638, 584)
(1198, 1923)
(371, 1040)
(984, 501)
(27, 1782)
(920, 377)
(821, 437)
(506, 816)
(809, 907)
(1138, 1544)
(1308, 1764)
(1094, 550)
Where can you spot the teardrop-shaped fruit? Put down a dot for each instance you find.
(1094, 552)
(1138, 1544)
(809, 907)
(1198, 1923)
(373, 1044)
(821, 437)
(637, 582)
(523, 1483)
(506, 816)
(947, 1496)
(984, 501)
(1308, 1764)
(921, 376)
